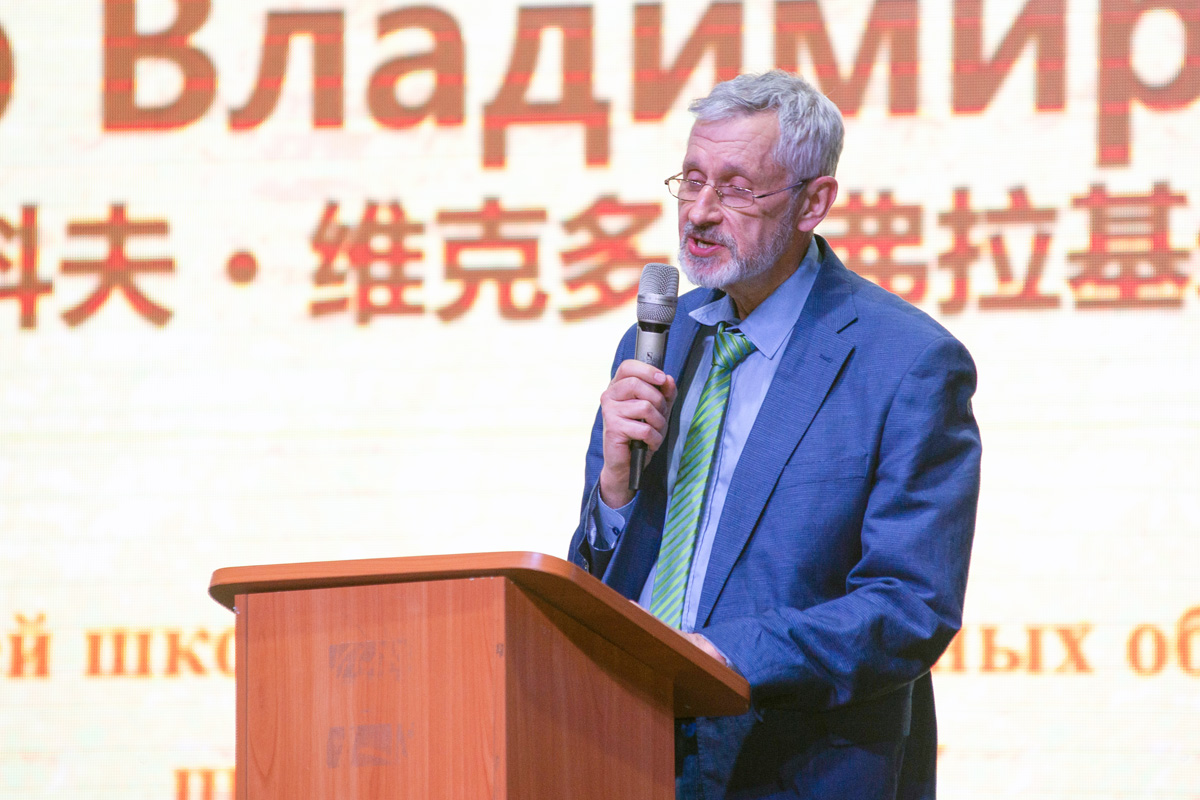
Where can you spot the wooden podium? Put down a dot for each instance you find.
(500, 675)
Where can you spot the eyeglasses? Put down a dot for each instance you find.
(729, 196)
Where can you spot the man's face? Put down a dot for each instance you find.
(722, 247)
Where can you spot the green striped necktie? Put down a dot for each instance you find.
(687, 498)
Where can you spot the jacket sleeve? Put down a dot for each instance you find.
(582, 553)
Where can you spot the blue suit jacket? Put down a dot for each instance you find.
(840, 561)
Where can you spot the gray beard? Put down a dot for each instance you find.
(737, 268)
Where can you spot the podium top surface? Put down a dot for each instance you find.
(703, 685)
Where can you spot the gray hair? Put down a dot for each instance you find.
(810, 125)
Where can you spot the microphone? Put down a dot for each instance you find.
(657, 293)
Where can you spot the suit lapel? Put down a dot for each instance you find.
(812, 359)
(683, 332)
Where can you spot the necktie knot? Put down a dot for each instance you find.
(730, 348)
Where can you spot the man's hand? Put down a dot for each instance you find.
(635, 406)
(704, 644)
(701, 641)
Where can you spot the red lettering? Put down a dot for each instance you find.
(962, 253)
(491, 241)
(223, 651)
(995, 657)
(373, 244)
(328, 241)
(445, 61)
(124, 47)
(28, 289)
(1187, 630)
(6, 71)
(609, 263)
(326, 29)
(578, 103)
(1136, 650)
(1033, 648)
(897, 21)
(1129, 262)
(128, 653)
(1072, 637)
(1012, 293)
(655, 87)
(976, 79)
(116, 270)
(179, 651)
(119, 639)
(30, 645)
(1119, 85)
(867, 235)
(204, 780)
(1001, 658)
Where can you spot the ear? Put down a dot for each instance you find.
(819, 195)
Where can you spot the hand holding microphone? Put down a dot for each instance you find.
(658, 292)
(636, 406)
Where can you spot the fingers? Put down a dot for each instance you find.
(636, 406)
(636, 380)
(647, 373)
(708, 647)
(635, 418)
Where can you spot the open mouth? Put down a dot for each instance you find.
(701, 246)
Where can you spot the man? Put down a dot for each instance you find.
(808, 511)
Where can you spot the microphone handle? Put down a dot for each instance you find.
(637, 460)
(650, 348)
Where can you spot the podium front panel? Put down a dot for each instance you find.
(362, 693)
(455, 689)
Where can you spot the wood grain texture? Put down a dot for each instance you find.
(703, 686)
(361, 693)
(442, 690)
(242, 683)
(585, 719)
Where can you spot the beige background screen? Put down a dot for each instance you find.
(287, 281)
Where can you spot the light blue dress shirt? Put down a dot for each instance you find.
(769, 327)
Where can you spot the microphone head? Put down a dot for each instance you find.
(658, 291)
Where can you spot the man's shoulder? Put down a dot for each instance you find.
(866, 310)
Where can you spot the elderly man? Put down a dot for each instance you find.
(808, 511)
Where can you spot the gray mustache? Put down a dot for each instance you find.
(690, 229)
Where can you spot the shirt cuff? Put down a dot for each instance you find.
(606, 525)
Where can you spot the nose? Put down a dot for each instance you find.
(706, 208)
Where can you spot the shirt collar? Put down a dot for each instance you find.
(769, 325)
